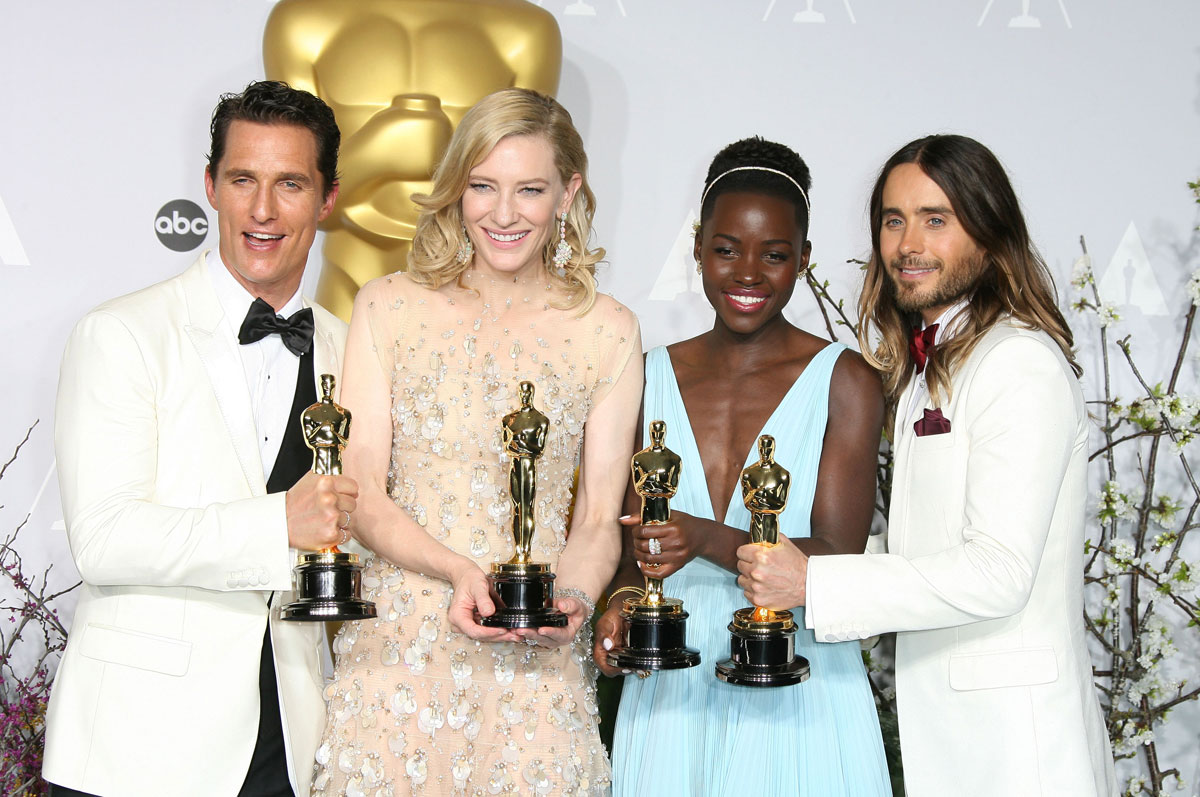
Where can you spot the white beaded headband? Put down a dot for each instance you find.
(785, 175)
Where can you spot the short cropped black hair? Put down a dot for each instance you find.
(274, 102)
(757, 151)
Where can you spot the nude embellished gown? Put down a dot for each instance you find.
(415, 707)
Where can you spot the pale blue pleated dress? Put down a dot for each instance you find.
(686, 733)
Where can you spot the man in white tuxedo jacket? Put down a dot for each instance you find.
(983, 578)
(186, 487)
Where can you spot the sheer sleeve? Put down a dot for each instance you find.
(618, 338)
(381, 305)
(594, 543)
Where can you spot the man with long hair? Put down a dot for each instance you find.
(984, 575)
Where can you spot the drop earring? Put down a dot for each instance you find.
(563, 251)
(465, 248)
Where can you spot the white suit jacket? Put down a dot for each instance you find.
(181, 551)
(984, 582)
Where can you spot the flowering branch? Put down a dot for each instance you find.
(24, 689)
(1148, 591)
(820, 292)
(17, 450)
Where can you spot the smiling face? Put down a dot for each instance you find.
(751, 250)
(931, 260)
(269, 197)
(511, 203)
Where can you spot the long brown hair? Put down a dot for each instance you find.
(1014, 282)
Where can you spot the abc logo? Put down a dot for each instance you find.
(181, 225)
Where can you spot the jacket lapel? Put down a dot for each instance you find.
(902, 437)
(218, 352)
(325, 352)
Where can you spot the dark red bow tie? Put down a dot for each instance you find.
(920, 345)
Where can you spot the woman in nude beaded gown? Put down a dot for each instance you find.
(500, 289)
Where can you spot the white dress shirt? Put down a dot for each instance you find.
(948, 324)
(269, 366)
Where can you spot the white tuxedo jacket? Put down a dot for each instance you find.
(181, 551)
(984, 582)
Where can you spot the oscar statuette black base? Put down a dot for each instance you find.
(762, 653)
(328, 586)
(657, 638)
(524, 598)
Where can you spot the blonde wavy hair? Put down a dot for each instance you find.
(509, 112)
(1014, 282)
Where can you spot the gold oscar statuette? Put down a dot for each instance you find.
(523, 590)
(327, 583)
(399, 76)
(657, 637)
(762, 642)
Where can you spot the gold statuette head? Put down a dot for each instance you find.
(766, 483)
(326, 427)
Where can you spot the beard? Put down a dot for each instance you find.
(953, 283)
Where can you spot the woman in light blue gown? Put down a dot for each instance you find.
(684, 732)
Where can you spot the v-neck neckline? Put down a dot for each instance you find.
(754, 443)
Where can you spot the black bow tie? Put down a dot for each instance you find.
(261, 320)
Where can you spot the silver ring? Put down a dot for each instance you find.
(655, 547)
(345, 538)
(346, 524)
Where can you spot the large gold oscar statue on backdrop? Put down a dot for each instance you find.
(399, 75)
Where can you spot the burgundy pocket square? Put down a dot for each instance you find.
(933, 423)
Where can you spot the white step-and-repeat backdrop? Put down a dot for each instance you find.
(1094, 106)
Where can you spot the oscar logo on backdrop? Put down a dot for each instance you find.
(399, 75)
(810, 15)
(12, 253)
(1025, 19)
